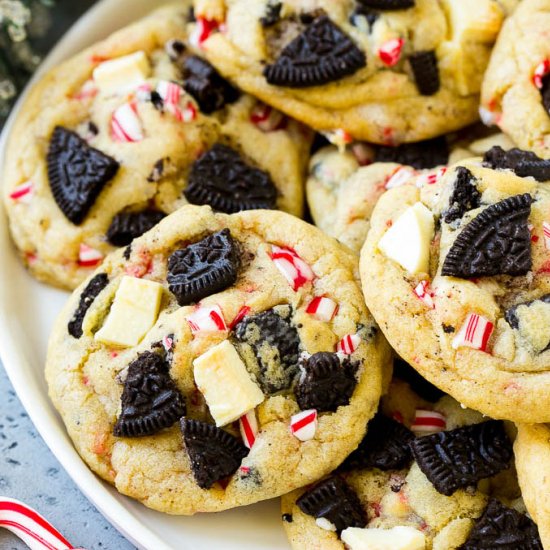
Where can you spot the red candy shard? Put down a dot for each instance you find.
(390, 52)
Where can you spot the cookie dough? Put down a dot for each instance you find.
(457, 276)
(385, 72)
(217, 361)
(516, 87)
(126, 132)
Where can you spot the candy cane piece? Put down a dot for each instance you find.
(322, 308)
(348, 344)
(425, 294)
(400, 177)
(22, 193)
(203, 29)
(428, 422)
(474, 333)
(541, 70)
(293, 268)
(248, 425)
(88, 256)
(303, 425)
(266, 118)
(125, 124)
(30, 526)
(390, 51)
(431, 178)
(241, 314)
(207, 319)
(546, 233)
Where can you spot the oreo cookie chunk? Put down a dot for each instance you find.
(127, 226)
(385, 446)
(326, 383)
(272, 14)
(214, 453)
(322, 53)
(361, 17)
(522, 163)
(270, 346)
(496, 242)
(420, 155)
(529, 319)
(77, 173)
(460, 458)
(334, 500)
(89, 294)
(425, 71)
(503, 528)
(464, 196)
(545, 92)
(150, 400)
(222, 179)
(209, 89)
(203, 268)
(387, 4)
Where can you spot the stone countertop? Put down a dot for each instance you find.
(29, 472)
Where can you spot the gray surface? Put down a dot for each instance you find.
(29, 472)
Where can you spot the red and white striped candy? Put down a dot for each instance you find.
(428, 422)
(23, 193)
(400, 177)
(30, 526)
(322, 308)
(241, 314)
(303, 425)
(88, 256)
(294, 269)
(207, 319)
(425, 294)
(126, 125)
(541, 70)
(431, 178)
(474, 333)
(248, 426)
(546, 234)
(171, 93)
(203, 29)
(348, 344)
(167, 343)
(390, 52)
(266, 118)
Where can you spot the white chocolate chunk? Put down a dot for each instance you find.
(407, 241)
(222, 378)
(397, 538)
(122, 74)
(474, 20)
(133, 312)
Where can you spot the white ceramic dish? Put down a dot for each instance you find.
(27, 310)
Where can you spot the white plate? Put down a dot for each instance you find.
(27, 310)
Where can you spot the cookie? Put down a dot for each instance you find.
(516, 87)
(130, 130)
(532, 451)
(461, 269)
(196, 354)
(384, 493)
(343, 186)
(386, 72)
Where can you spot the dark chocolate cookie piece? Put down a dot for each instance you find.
(271, 342)
(77, 173)
(214, 453)
(334, 500)
(361, 14)
(385, 446)
(545, 93)
(420, 155)
(426, 72)
(326, 383)
(387, 4)
(150, 400)
(127, 226)
(322, 53)
(209, 89)
(460, 458)
(426, 390)
(511, 314)
(203, 268)
(272, 14)
(223, 180)
(464, 197)
(522, 163)
(502, 528)
(89, 294)
(496, 242)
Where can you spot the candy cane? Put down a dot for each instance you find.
(88, 256)
(431, 178)
(390, 51)
(126, 125)
(425, 294)
(541, 70)
(30, 526)
(248, 426)
(295, 270)
(303, 425)
(207, 319)
(474, 333)
(203, 29)
(348, 344)
(22, 193)
(428, 422)
(266, 118)
(400, 177)
(546, 233)
(322, 308)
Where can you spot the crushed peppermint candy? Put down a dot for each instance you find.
(425, 293)
(241, 314)
(474, 333)
(266, 118)
(348, 344)
(322, 308)
(294, 269)
(88, 256)
(248, 425)
(203, 29)
(171, 94)
(23, 193)
(546, 234)
(125, 123)
(167, 343)
(207, 319)
(390, 52)
(399, 177)
(541, 70)
(303, 425)
(426, 422)
(431, 178)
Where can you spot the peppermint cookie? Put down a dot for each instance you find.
(456, 273)
(217, 361)
(129, 130)
(532, 450)
(385, 71)
(344, 186)
(428, 475)
(516, 86)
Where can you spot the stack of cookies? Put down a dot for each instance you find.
(384, 371)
